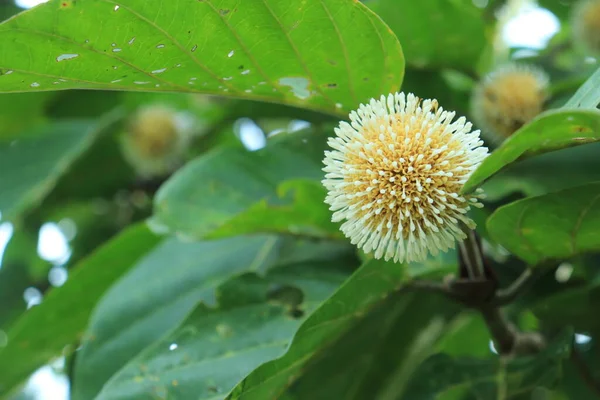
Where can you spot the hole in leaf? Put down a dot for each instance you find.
(285, 294)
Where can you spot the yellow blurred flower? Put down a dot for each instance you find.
(508, 98)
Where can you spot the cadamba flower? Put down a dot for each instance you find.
(395, 173)
(585, 21)
(156, 139)
(508, 98)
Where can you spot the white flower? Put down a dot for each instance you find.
(508, 98)
(395, 174)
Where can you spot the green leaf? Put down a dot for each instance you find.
(335, 319)
(377, 356)
(436, 33)
(492, 378)
(471, 325)
(550, 227)
(8, 10)
(550, 131)
(100, 172)
(20, 112)
(547, 173)
(560, 9)
(230, 186)
(176, 276)
(305, 214)
(588, 95)
(214, 349)
(316, 54)
(36, 163)
(571, 307)
(43, 331)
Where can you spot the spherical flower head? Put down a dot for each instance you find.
(154, 131)
(395, 174)
(156, 139)
(508, 98)
(585, 21)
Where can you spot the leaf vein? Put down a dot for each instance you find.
(298, 56)
(179, 45)
(93, 50)
(578, 223)
(243, 46)
(345, 51)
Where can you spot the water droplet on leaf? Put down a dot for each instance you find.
(64, 57)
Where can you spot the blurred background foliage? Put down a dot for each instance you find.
(96, 300)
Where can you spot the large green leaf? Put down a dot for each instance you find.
(327, 55)
(492, 378)
(571, 307)
(552, 130)
(31, 166)
(229, 187)
(436, 33)
(214, 349)
(334, 320)
(176, 276)
(379, 353)
(550, 227)
(44, 331)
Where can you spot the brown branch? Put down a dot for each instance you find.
(503, 332)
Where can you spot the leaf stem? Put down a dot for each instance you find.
(472, 256)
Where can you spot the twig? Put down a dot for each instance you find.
(506, 296)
